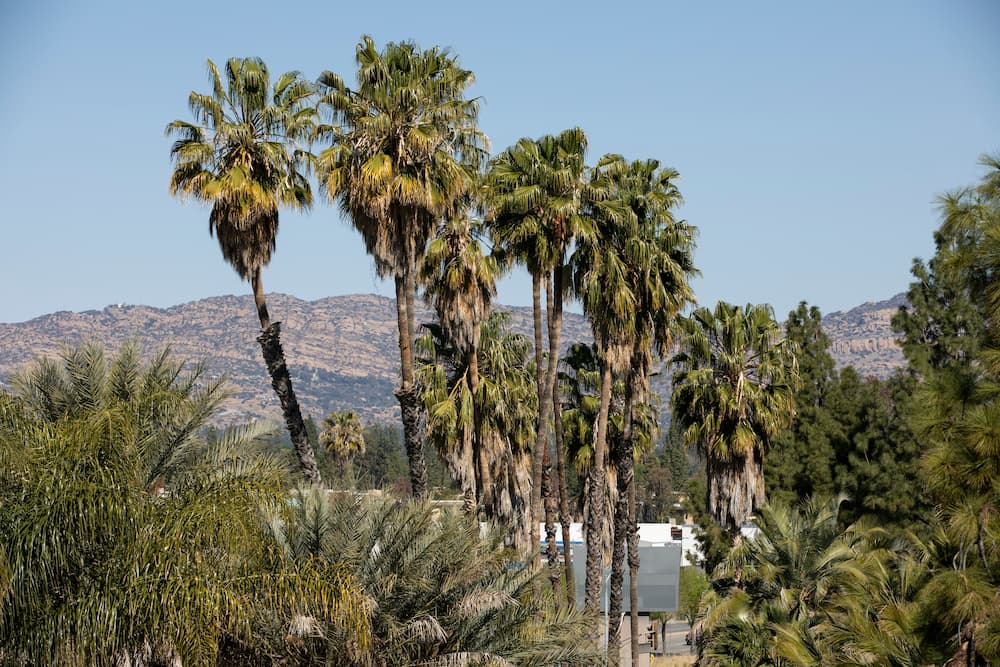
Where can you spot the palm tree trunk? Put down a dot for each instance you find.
(619, 529)
(632, 534)
(259, 300)
(408, 393)
(555, 335)
(624, 527)
(548, 488)
(480, 453)
(735, 488)
(633, 571)
(281, 381)
(540, 440)
(595, 498)
(552, 548)
(564, 516)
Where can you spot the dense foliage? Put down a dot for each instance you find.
(438, 592)
(903, 568)
(127, 536)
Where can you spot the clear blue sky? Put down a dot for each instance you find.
(811, 137)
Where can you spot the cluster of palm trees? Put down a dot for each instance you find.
(400, 153)
(130, 536)
(806, 591)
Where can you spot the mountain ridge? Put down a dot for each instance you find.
(342, 350)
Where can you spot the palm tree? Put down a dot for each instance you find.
(504, 404)
(782, 581)
(238, 157)
(538, 192)
(603, 282)
(657, 253)
(343, 436)
(733, 394)
(439, 593)
(461, 284)
(580, 387)
(884, 611)
(800, 591)
(131, 539)
(404, 155)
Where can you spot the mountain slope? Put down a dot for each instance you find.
(862, 337)
(342, 351)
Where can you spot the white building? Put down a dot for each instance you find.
(650, 534)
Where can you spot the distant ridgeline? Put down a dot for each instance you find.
(343, 351)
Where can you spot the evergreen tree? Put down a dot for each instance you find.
(383, 463)
(850, 436)
(800, 463)
(942, 324)
(877, 462)
(958, 420)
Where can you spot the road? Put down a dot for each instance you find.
(675, 644)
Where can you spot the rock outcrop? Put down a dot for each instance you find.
(862, 337)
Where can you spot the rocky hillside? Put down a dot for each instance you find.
(862, 337)
(342, 351)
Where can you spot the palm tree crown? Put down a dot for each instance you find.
(733, 393)
(238, 158)
(404, 146)
(461, 281)
(537, 191)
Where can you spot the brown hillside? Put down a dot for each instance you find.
(342, 351)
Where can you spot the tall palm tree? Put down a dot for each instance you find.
(733, 394)
(461, 284)
(603, 282)
(538, 192)
(504, 405)
(657, 253)
(238, 156)
(404, 155)
(130, 538)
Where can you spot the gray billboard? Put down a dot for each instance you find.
(659, 577)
